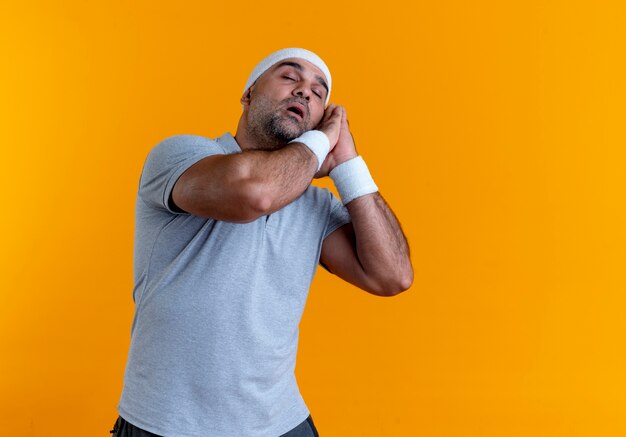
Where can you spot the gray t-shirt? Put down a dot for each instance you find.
(217, 306)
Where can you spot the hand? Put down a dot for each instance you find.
(331, 123)
(342, 151)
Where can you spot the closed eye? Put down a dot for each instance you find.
(314, 92)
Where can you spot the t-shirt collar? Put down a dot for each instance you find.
(229, 143)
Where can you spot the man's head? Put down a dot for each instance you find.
(285, 96)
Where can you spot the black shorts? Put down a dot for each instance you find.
(123, 428)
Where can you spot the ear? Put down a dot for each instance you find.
(245, 99)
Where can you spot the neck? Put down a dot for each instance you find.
(248, 140)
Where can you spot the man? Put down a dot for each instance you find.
(228, 236)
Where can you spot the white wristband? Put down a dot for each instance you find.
(317, 141)
(353, 179)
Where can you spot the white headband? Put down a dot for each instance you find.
(284, 54)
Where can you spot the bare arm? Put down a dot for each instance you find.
(244, 186)
(372, 251)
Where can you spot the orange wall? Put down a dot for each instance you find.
(494, 129)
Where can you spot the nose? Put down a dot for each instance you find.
(302, 91)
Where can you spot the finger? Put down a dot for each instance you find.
(344, 116)
(329, 111)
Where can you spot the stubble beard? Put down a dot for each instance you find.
(270, 127)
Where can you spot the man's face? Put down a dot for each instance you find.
(287, 100)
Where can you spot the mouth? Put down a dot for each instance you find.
(296, 109)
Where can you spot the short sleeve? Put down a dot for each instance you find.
(339, 215)
(167, 161)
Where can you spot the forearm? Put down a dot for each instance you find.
(381, 246)
(278, 177)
